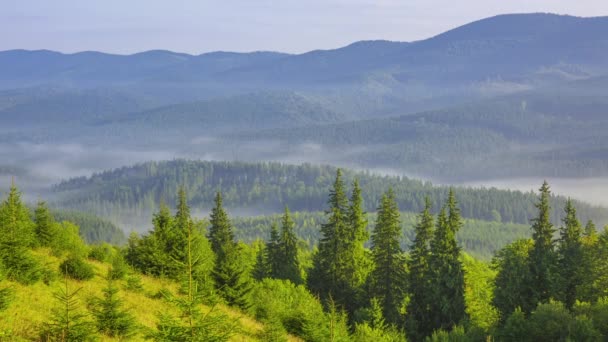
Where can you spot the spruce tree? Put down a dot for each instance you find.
(68, 322)
(273, 252)
(328, 276)
(388, 275)
(542, 255)
(418, 310)
(289, 265)
(231, 280)
(16, 226)
(570, 258)
(112, 319)
(357, 265)
(260, 269)
(45, 228)
(446, 270)
(16, 238)
(192, 324)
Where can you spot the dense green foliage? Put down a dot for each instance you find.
(351, 286)
(267, 187)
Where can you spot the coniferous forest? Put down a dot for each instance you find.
(279, 171)
(190, 279)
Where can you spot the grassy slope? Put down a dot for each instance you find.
(32, 305)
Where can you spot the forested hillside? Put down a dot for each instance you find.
(189, 279)
(268, 187)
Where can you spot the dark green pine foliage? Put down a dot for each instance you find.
(446, 270)
(418, 320)
(68, 323)
(388, 276)
(289, 265)
(231, 280)
(45, 224)
(273, 252)
(542, 256)
(570, 273)
(112, 319)
(327, 277)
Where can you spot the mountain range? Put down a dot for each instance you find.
(512, 95)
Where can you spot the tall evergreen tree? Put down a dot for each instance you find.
(273, 251)
(45, 228)
(289, 268)
(570, 258)
(231, 280)
(388, 276)
(327, 277)
(542, 255)
(357, 265)
(447, 274)
(418, 311)
(587, 291)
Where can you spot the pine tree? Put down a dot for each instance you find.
(570, 258)
(68, 323)
(328, 277)
(289, 267)
(542, 255)
(231, 280)
(447, 274)
(112, 319)
(388, 275)
(418, 310)
(45, 225)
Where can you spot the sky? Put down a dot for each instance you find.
(294, 26)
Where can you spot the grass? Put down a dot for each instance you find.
(31, 305)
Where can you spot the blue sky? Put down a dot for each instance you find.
(196, 26)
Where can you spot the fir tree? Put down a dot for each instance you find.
(570, 258)
(542, 255)
(289, 265)
(45, 225)
(388, 275)
(446, 270)
(230, 277)
(418, 310)
(112, 319)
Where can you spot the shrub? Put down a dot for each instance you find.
(20, 265)
(134, 284)
(119, 267)
(76, 268)
(102, 252)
